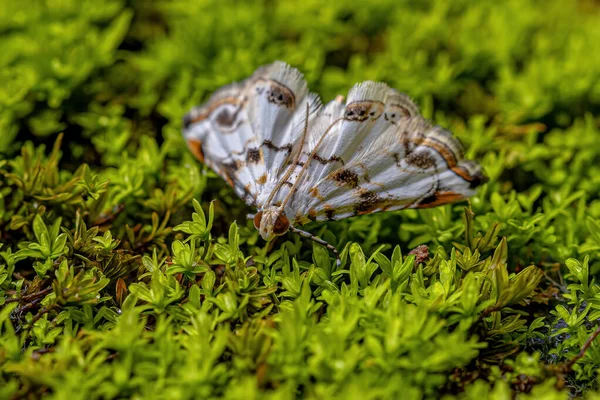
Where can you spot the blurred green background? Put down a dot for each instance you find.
(107, 83)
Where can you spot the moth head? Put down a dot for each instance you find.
(271, 222)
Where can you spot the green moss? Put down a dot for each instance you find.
(128, 269)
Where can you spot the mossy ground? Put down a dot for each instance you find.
(115, 283)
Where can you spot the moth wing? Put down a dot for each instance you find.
(219, 134)
(276, 106)
(383, 155)
(248, 131)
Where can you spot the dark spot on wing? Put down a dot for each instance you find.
(253, 155)
(357, 111)
(346, 177)
(225, 118)
(368, 201)
(363, 110)
(231, 166)
(395, 113)
(429, 199)
(420, 160)
(329, 212)
(478, 179)
(280, 95)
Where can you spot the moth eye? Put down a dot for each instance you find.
(282, 224)
(257, 219)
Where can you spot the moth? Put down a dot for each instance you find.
(296, 160)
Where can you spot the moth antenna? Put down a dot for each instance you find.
(316, 239)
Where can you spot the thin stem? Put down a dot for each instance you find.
(567, 367)
(31, 296)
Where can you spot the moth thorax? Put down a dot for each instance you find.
(271, 222)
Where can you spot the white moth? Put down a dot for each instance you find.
(298, 161)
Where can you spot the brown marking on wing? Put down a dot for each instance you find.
(462, 173)
(195, 146)
(227, 120)
(312, 214)
(443, 150)
(272, 146)
(439, 198)
(368, 201)
(314, 192)
(329, 212)
(420, 159)
(474, 180)
(412, 139)
(363, 110)
(211, 107)
(397, 159)
(366, 177)
(262, 179)
(345, 177)
(328, 160)
(398, 108)
(395, 113)
(277, 93)
(253, 155)
(244, 150)
(405, 142)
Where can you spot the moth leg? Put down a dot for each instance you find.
(316, 239)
